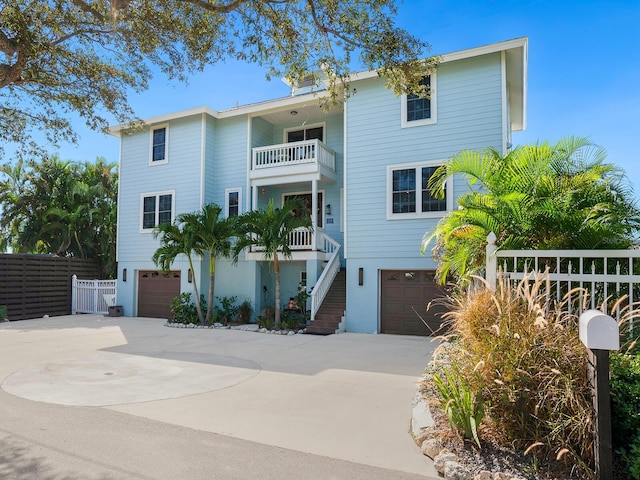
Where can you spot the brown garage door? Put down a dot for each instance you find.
(155, 292)
(404, 294)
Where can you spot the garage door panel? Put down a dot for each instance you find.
(404, 296)
(156, 290)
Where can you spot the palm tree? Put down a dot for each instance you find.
(270, 230)
(544, 196)
(202, 233)
(175, 239)
(211, 236)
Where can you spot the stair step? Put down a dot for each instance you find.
(320, 330)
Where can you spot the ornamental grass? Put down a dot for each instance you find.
(519, 352)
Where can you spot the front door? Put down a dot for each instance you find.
(306, 198)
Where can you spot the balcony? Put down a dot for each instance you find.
(297, 160)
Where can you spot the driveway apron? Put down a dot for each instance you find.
(346, 396)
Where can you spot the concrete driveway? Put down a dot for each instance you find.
(347, 397)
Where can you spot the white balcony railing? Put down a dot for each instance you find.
(294, 153)
(306, 239)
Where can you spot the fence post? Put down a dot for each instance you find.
(599, 333)
(491, 273)
(74, 294)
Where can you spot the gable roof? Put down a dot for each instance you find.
(515, 66)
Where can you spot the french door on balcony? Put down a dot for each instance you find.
(306, 198)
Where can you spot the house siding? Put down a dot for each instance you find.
(469, 116)
(180, 174)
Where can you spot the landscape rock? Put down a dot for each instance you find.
(431, 447)
(456, 471)
(426, 433)
(484, 475)
(442, 458)
(501, 476)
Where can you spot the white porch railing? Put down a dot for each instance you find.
(301, 239)
(294, 153)
(92, 296)
(321, 288)
(306, 239)
(607, 275)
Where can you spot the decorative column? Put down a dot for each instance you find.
(314, 212)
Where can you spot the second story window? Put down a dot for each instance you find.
(233, 202)
(420, 111)
(157, 208)
(159, 145)
(409, 196)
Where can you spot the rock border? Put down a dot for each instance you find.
(251, 327)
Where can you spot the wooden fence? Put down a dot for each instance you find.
(35, 285)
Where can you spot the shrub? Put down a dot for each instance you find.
(267, 319)
(625, 411)
(521, 352)
(245, 310)
(464, 409)
(227, 310)
(293, 320)
(183, 309)
(3, 313)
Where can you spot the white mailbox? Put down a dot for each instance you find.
(599, 331)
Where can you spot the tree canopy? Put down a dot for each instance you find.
(544, 196)
(84, 56)
(61, 208)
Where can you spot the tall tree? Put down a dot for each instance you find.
(59, 207)
(204, 233)
(83, 56)
(269, 230)
(561, 196)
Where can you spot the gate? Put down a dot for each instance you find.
(92, 296)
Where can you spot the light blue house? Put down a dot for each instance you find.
(361, 167)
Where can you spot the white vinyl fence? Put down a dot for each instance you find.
(92, 296)
(606, 275)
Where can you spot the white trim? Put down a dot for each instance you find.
(417, 166)
(118, 210)
(203, 156)
(345, 156)
(251, 192)
(341, 206)
(305, 127)
(504, 100)
(227, 191)
(156, 194)
(433, 119)
(166, 144)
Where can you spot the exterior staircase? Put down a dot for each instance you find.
(331, 311)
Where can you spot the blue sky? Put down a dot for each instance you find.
(584, 72)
